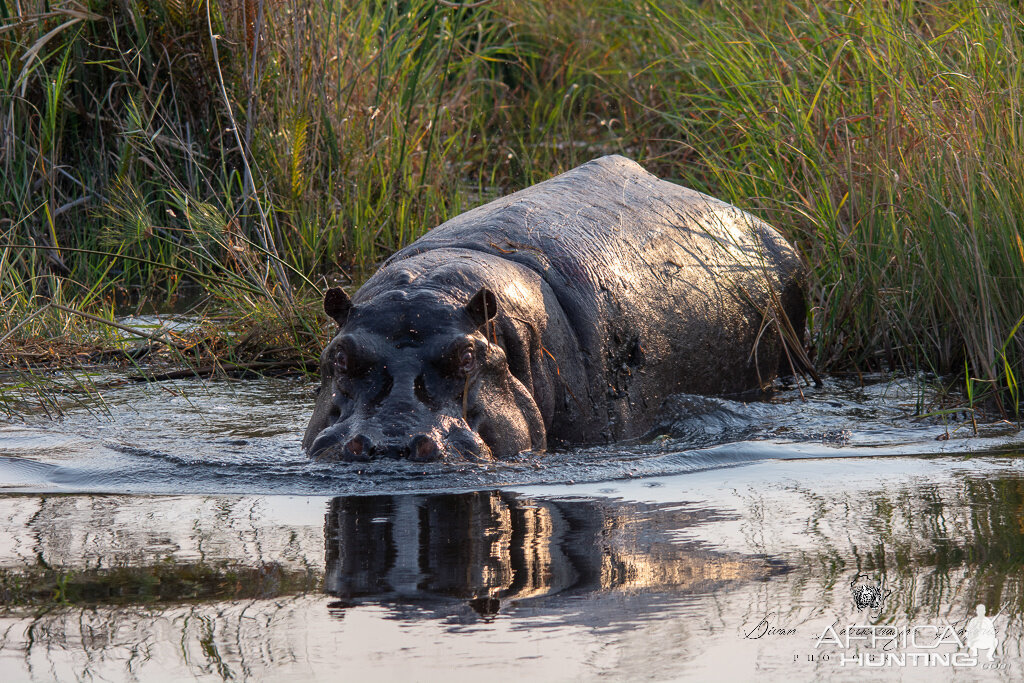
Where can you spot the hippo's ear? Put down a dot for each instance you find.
(482, 307)
(337, 304)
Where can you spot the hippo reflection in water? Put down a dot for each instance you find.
(486, 548)
(565, 313)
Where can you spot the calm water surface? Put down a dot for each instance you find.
(175, 531)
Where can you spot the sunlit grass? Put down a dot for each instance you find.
(885, 139)
(265, 157)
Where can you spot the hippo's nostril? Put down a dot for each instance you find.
(423, 449)
(325, 447)
(358, 449)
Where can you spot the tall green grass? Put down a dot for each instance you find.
(250, 148)
(265, 150)
(885, 138)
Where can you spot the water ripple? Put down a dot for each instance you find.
(243, 437)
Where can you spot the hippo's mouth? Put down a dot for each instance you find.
(336, 444)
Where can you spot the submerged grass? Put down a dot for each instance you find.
(265, 150)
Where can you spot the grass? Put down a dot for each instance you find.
(886, 137)
(265, 151)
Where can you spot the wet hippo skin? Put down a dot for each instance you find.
(565, 313)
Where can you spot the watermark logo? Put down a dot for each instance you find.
(855, 642)
(867, 594)
(981, 635)
(924, 644)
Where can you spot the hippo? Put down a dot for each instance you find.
(563, 314)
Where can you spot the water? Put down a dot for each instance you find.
(176, 530)
(243, 436)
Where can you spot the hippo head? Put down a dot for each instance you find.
(412, 375)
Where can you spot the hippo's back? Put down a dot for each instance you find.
(665, 288)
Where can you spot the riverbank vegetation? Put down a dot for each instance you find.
(255, 153)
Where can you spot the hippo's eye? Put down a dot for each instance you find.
(466, 360)
(341, 362)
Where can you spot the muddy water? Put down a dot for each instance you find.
(176, 530)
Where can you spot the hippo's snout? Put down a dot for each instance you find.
(330, 447)
(326, 446)
(421, 448)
